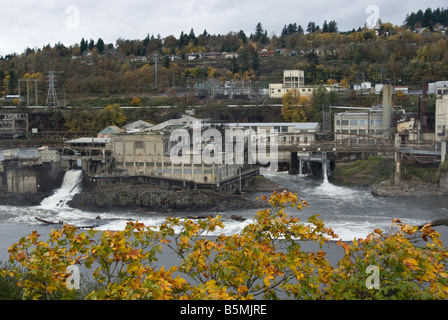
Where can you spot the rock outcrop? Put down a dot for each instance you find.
(22, 199)
(413, 188)
(131, 196)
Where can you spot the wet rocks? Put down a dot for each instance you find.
(412, 188)
(131, 196)
(22, 199)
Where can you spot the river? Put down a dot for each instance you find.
(352, 212)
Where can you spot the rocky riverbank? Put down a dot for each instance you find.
(378, 174)
(22, 199)
(148, 197)
(413, 188)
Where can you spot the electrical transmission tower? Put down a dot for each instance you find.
(52, 98)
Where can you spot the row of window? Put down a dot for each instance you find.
(361, 122)
(356, 131)
(303, 90)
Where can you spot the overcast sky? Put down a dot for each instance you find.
(35, 23)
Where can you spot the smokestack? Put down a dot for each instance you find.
(387, 109)
(424, 117)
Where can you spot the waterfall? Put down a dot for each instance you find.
(70, 186)
(324, 169)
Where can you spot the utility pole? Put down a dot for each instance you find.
(155, 60)
(28, 91)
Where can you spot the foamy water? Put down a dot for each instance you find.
(350, 212)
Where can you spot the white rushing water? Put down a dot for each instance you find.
(70, 187)
(350, 212)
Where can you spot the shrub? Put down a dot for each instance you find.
(265, 261)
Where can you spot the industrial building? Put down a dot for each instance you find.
(292, 80)
(367, 121)
(149, 154)
(441, 118)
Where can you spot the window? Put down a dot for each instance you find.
(379, 122)
(338, 122)
(345, 122)
(138, 144)
(362, 122)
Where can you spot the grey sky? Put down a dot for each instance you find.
(35, 23)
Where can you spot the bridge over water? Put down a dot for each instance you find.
(336, 147)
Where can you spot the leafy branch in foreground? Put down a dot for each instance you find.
(268, 259)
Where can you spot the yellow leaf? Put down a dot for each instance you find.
(242, 289)
(411, 263)
(266, 281)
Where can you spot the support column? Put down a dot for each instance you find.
(397, 167)
(443, 151)
(293, 166)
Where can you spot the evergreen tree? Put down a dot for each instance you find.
(91, 44)
(258, 32)
(292, 28)
(166, 62)
(255, 61)
(100, 45)
(332, 27)
(312, 27)
(325, 27)
(284, 31)
(146, 41)
(83, 45)
(244, 59)
(242, 36)
(234, 67)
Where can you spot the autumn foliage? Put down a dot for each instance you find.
(267, 260)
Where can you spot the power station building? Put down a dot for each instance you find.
(371, 121)
(292, 80)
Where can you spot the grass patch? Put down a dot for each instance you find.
(424, 173)
(365, 172)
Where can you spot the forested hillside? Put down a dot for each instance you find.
(407, 55)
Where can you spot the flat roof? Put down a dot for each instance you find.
(296, 125)
(89, 140)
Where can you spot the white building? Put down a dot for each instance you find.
(441, 117)
(358, 123)
(138, 125)
(292, 80)
(365, 86)
(185, 121)
(435, 86)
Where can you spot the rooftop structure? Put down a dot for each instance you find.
(292, 80)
